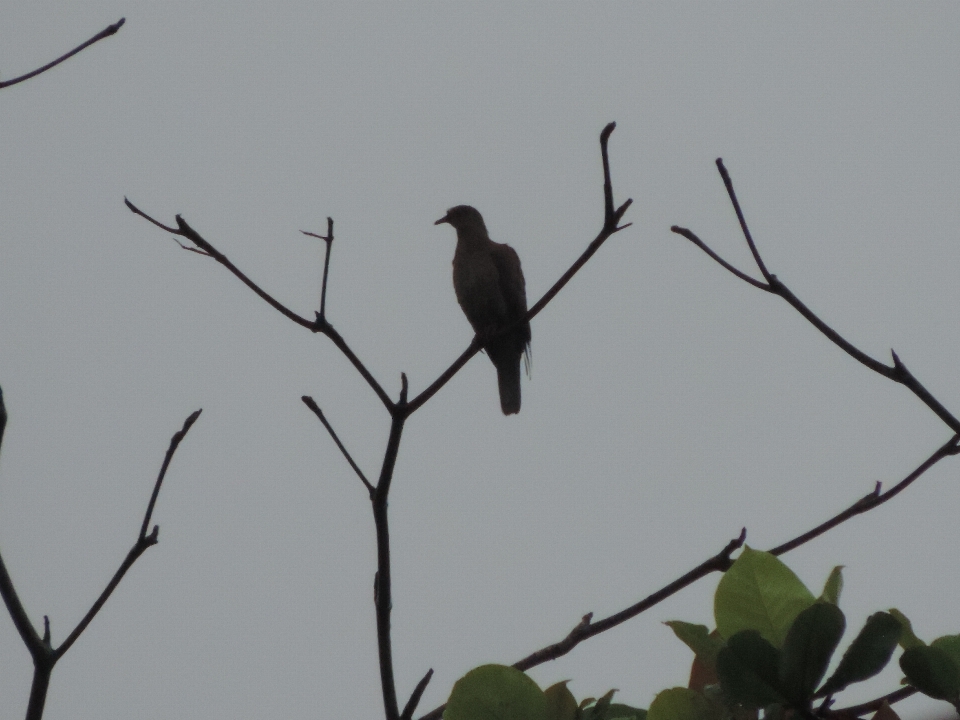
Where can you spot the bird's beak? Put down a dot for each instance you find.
(444, 219)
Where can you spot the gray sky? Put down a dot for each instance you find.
(670, 403)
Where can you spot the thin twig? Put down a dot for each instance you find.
(411, 707)
(706, 248)
(174, 444)
(743, 223)
(106, 32)
(309, 402)
(873, 705)
(328, 239)
(872, 500)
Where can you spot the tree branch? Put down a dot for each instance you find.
(320, 325)
(872, 500)
(143, 542)
(328, 239)
(587, 629)
(873, 705)
(382, 592)
(309, 402)
(43, 654)
(898, 372)
(411, 707)
(106, 32)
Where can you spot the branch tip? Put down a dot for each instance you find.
(414, 700)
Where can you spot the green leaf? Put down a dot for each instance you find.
(808, 648)
(680, 704)
(561, 704)
(749, 669)
(932, 671)
(907, 638)
(950, 644)
(833, 586)
(868, 654)
(599, 711)
(698, 639)
(759, 593)
(496, 692)
(619, 711)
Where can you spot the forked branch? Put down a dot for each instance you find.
(897, 372)
(45, 656)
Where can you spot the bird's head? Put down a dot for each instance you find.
(464, 217)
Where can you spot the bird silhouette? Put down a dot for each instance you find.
(489, 285)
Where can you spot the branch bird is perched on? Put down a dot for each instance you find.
(491, 291)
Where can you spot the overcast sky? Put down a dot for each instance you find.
(670, 404)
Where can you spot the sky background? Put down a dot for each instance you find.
(670, 404)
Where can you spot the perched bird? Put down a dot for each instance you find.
(489, 285)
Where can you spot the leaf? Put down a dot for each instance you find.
(833, 587)
(868, 654)
(680, 704)
(749, 668)
(561, 704)
(599, 711)
(496, 692)
(907, 638)
(951, 644)
(698, 638)
(932, 671)
(702, 675)
(807, 650)
(759, 593)
(619, 711)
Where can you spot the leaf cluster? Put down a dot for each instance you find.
(772, 647)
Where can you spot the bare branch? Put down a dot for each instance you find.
(873, 705)
(873, 499)
(411, 707)
(706, 248)
(320, 325)
(897, 372)
(743, 223)
(586, 628)
(106, 32)
(328, 239)
(44, 656)
(383, 599)
(309, 402)
(143, 542)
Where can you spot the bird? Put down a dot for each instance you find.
(490, 288)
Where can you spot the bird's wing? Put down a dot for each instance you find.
(512, 285)
(514, 291)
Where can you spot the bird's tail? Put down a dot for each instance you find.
(508, 378)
